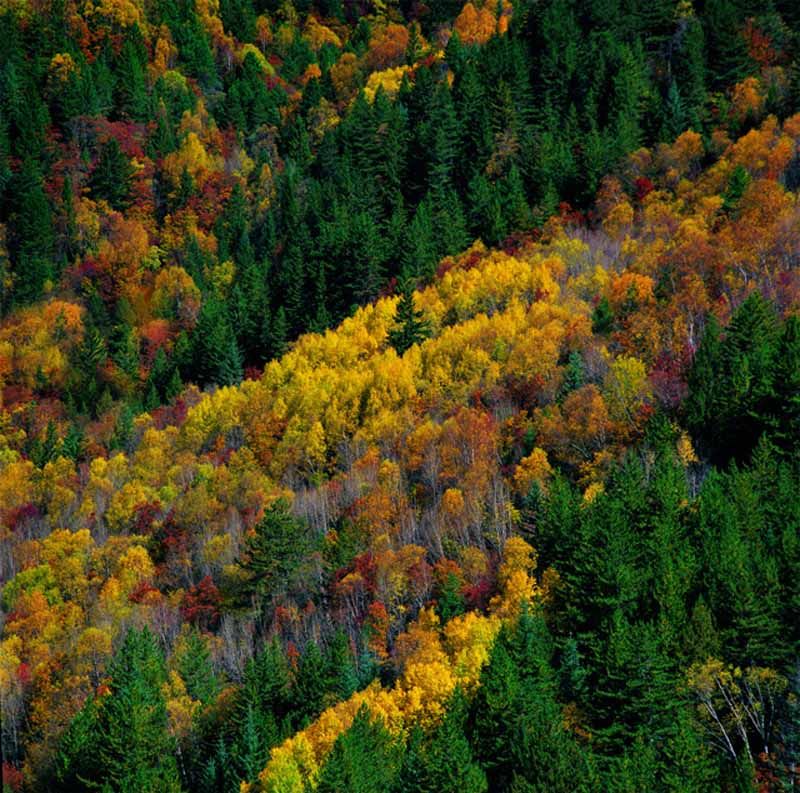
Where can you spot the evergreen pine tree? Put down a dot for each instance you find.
(516, 210)
(131, 87)
(253, 751)
(448, 763)
(574, 374)
(518, 726)
(32, 237)
(411, 328)
(239, 18)
(135, 751)
(112, 175)
(341, 673)
(603, 317)
(77, 751)
(676, 117)
(737, 184)
(193, 663)
(689, 69)
(275, 554)
(785, 420)
(310, 683)
(279, 333)
(363, 760)
(216, 356)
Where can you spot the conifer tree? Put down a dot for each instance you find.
(363, 760)
(737, 184)
(448, 763)
(123, 736)
(785, 419)
(112, 175)
(32, 236)
(279, 333)
(689, 68)
(239, 18)
(474, 129)
(602, 317)
(518, 727)
(131, 88)
(274, 555)
(676, 116)
(216, 355)
(193, 662)
(420, 250)
(341, 673)
(411, 327)
(267, 690)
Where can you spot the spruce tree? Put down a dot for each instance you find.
(135, 751)
(785, 420)
(574, 374)
(364, 759)
(474, 129)
(276, 553)
(279, 333)
(411, 327)
(267, 689)
(76, 758)
(216, 355)
(448, 765)
(676, 116)
(340, 667)
(32, 237)
(239, 18)
(112, 175)
(310, 683)
(131, 86)
(689, 69)
(419, 247)
(518, 727)
(602, 317)
(737, 184)
(193, 662)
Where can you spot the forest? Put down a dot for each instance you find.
(400, 396)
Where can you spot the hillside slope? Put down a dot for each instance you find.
(357, 526)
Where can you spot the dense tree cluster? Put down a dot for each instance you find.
(204, 183)
(399, 398)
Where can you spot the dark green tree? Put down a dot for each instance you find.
(278, 556)
(603, 317)
(737, 184)
(31, 239)
(518, 725)
(445, 763)
(112, 176)
(216, 357)
(364, 759)
(124, 736)
(130, 94)
(411, 328)
(193, 663)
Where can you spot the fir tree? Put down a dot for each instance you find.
(112, 176)
(737, 184)
(274, 555)
(363, 760)
(603, 317)
(448, 765)
(131, 87)
(216, 355)
(193, 662)
(132, 749)
(411, 328)
(32, 236)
